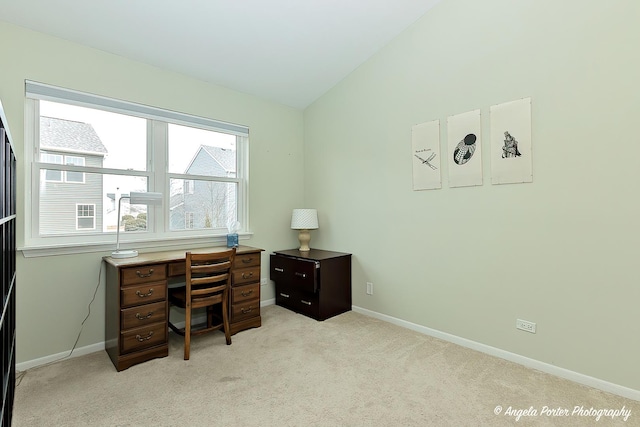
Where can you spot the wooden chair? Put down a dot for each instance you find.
(208, 283)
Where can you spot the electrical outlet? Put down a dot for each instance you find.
(526, 326)
(263, 281)
(369, 288)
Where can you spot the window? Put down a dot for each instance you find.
(188, 220)
(71, 176)
(85, 217)
(89, 151)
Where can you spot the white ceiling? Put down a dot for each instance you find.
(287, 51)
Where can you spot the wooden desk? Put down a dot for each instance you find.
(136, 311)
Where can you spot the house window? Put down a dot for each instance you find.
(113, 148)
(85, 217)
(71, 176)
(52, 175)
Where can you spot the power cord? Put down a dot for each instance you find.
(20, 375)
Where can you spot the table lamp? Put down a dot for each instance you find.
(134, 199)
(304, 220)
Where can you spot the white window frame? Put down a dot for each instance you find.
(78, 217)
(158, 233)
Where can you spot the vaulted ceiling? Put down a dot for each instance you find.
(287, 51)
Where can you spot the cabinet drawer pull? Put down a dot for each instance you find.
(141, 317)
(303, 275)
(246, 294)
(305, 302)
(284, 295)
(143, 339)
(246, 276)
(279, 270)
(247, 260)
(246, 311)
(141, 295)
(142, 275)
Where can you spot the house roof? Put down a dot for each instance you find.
(71, 136)
(224, 156)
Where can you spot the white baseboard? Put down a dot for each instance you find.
(81, 351)
(512, 357)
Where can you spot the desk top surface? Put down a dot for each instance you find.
(171, 256)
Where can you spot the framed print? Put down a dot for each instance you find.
(465, 149)
(511, 159)
(425, 146)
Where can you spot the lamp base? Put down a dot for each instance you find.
(124, 254)
(304, 237)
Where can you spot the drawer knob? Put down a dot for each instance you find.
(247, 311)
(303, 275)
(279, 270)
(246, 276)
(148, 294)
(247, 260)
(305, 302)
(143, 275)
(143, 339)
(284, 295)
(246, 294)
(141, 317)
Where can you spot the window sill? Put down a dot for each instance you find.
(142, 246)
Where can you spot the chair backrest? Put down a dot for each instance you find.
(208, 274)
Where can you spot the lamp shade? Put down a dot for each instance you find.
(304, 219)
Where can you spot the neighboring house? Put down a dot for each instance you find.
(205, 204)
(70, 202)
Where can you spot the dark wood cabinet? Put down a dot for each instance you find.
(8, 272)
(315, 283)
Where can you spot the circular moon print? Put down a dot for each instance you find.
(465, 149)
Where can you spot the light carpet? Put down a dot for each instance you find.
(350, 370)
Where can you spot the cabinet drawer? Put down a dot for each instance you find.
(246, 260)
(140, 338)
(143, 274)
(245, 310)
(300, 302)
(246, 275)
(296, 272)
(244, 293)
(143, 294)
(142, 315)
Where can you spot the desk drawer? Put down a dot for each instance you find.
(246, 275)
(246, 260)
(245, 310)
(245, 293)
(143, 274)
(143, 294)
(140, 338)
(142, 315)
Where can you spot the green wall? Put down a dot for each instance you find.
(53, 293)
(561, 251)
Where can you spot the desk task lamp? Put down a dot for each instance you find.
(304, 220)
(134, 199)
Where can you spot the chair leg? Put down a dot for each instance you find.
(225, 318)
(187, 331)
